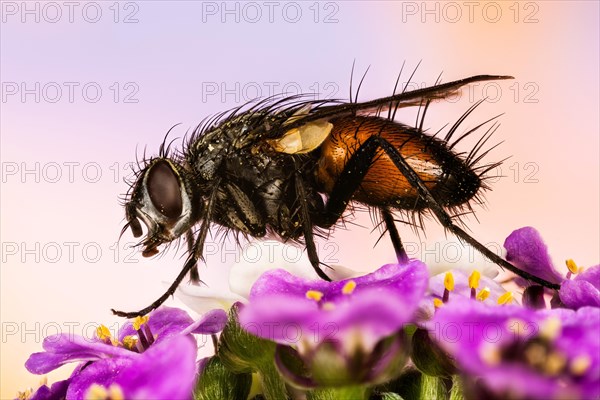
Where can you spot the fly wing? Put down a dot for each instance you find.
(304, 138)
(406, 99)
(309, 124)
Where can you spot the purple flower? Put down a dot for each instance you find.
(338, 333)
(135, 361)
(164, 371)
(294, 311)
(522, 353)
(583, 290)
(526, 250)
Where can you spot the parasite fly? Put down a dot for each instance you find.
(290, 168)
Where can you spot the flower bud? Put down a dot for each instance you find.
(429, 357)
(533, 297)
(241, 351)
(218, 382)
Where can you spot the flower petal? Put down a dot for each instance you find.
(455, 255)
(164, 322)
(166, 371)
(526, 250)
(57, 391)
(202, 299)
(211, 322)
(101, 372)
(579, 293)
(65, 348)
(583, 290)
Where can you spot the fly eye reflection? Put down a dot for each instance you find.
(164, 190)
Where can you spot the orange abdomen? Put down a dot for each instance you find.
(384, 184)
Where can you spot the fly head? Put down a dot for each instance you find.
(163, 198)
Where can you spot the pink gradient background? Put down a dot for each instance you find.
(171, 52)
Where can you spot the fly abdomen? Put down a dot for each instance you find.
(447, 177)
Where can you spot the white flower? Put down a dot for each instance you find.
(257, 258)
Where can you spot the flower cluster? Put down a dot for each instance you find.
(151, 357)
(393, 333)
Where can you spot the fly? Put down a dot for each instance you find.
(266, 169)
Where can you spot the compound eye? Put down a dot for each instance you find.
(163, 187)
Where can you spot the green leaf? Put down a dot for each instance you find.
(429, 357)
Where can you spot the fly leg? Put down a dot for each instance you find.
(194, 274)
(357, 167)
(195, 255)
(348, 182)
(388, 218)
(311, 249)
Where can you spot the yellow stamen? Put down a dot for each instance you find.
(99, 392)
(437, 303)
(506, 298)
(449, 281)
(536, 354)
(555, 363)
(349, 287)
(139, 321)
(115, 392)
(103, 333)
(314, 295)
(474, 279)
(550, 328)
(580, 364)
(572, 266)
(328, 306)
(25, 395)
(518, 326)
(483, 294)
(490, 354)
(96, 392)
(129, 342)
